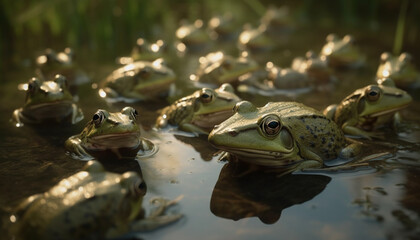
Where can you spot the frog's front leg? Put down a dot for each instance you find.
(17, 114)
(74, 146)
(188, 127)
(350, 130)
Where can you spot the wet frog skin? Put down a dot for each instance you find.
(47, 101)
(218, 68)
(286, 135)
(342, 52)
(200, 111)
(400, 69)
(141, 80)
(368, 108)
(91, 204)
(113, 132)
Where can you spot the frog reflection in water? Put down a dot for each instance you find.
(200, 111)
(342, 52)
(47, 101)
(91, 204)
(285, 135)
(218, 68)
(400, 69)
(369, 108)
(141, 80)
(114, 132)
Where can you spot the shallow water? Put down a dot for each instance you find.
(223, 200)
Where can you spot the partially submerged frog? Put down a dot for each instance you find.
(400, 69)
(47, 101)
(286, 135)
(91, 204)
(115, 134)
(200, 111)
(147, 51)
(368, 109)
(51, 63)
(316, 67)
(255, 39)
(192, 35)
(342, 52)
(219, 68)
(141, 80)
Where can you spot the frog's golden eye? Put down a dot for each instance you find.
(131, 112)
(271, 125)
(145, 73)
(373, 93)
(138, 188)
(98, 117)
(206, 95)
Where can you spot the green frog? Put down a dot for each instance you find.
(316, 67)
(287, 135)
(256, 39)
(192, 34)
(47, 101)
(218, 68)
(400, 69)
(140, 80)
(368, 109)
(342, 52)
(147, 51)
(51, 63)
(200, 111)
(91, 204)
(115, 132)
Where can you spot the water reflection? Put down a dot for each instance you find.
(242, 192)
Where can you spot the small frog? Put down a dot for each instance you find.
(400, 69)
(192, 34)
(277, 20)
(200, 111)
(141, 80)
(47, 101)
(368, 109)
(286, 135)
(223, 26)
(316, 67)
(148, 51)
(91, 204)
(218, 68)
(342, 52)
(51, 63)
(256, 39)
(115, 132)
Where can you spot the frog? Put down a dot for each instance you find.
(90, 204)
(400, 69)
(218, 68)
(342, 53)
(192, 34)
(316, 67)
(282, 135)
(223, 27)
(138, 81)
(256, 39)
(149, 51)
(114, 133)
(46, 102)
(277, 20)
(200, 111)
(50, 63)
(369, 108)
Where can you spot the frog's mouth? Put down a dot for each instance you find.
(210, 119)
(114, 141)
(385, 112)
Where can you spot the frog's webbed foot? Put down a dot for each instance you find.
(157, 218)
(147, 148)
(75, 149)
(354, 131)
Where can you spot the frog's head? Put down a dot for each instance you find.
(342, 50)
(112, 130)
(399, 68)
(192, 34)
(224, 68)
(50, 58)
(213, 106)
(46, 92)
(256, 133)
(377, 100)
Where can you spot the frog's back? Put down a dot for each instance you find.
(311, 129)
(176, 112)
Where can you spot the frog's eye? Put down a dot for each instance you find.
(206, 95)
(373, 93)
(271, 125)
(33, 84)
(138, 188)
(131, 112)
(98, 117)
(227, 64)
(226, 87)
(145, 73)
(60, 80)
(405, 57)
(385, 56)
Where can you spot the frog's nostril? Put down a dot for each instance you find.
(233, 133)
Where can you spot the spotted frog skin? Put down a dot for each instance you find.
(91, 204)
(368, 108)
(116, 132)
(47, 101)
(286, 135)
(400, 69)
(218, 68)
(141, 80)
(200, 111)
(342, 52)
